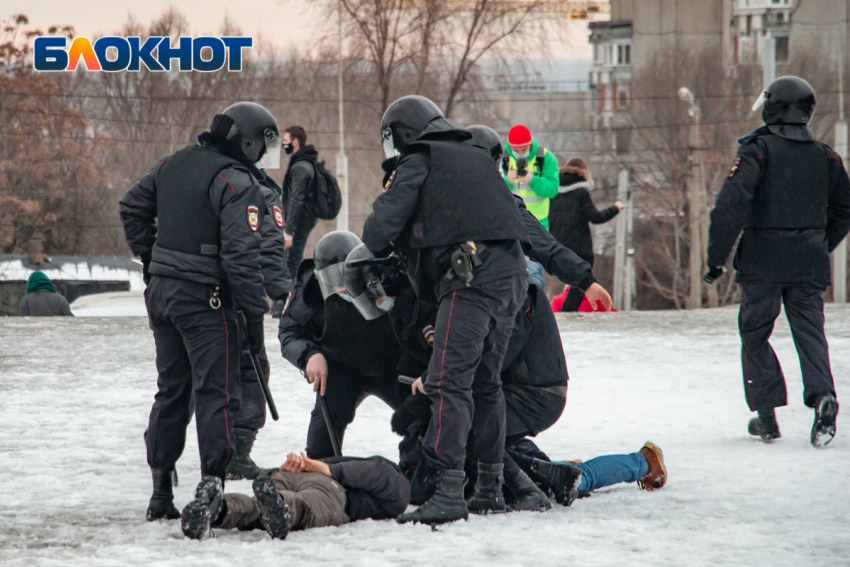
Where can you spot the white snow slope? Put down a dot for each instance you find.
(74, 485)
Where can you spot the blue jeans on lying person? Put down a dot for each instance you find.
(535, 274)
(610, 469)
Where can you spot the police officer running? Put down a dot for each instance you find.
(447, 210)
(791, 196)
(194, 220)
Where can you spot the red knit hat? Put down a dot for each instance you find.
(519, 136)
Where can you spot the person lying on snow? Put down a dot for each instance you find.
(304, 493)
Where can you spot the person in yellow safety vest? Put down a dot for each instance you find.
(539, 184)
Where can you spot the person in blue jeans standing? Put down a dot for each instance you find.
(567, 481)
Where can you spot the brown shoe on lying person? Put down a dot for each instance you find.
(656, 475)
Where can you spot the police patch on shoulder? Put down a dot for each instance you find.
(278, 216)
(253, 217)
(735, 165)
(389, 181)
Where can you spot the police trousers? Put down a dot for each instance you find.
(345, 391)
(764, 383)
(252, 411)
(471, 337)
(197, 353)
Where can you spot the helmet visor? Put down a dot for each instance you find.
(389, 148)
(761, 100)
(373, 302)
(331, 280)
(271, 159)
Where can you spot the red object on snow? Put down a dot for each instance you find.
(519, 136)
(584, 307)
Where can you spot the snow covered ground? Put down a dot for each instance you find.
(74, 485)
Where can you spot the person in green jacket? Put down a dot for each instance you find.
(532, 173)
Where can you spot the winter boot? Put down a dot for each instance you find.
(275, 516)
(488, 497)
(447, 504)
(161, 506)
(201, 513)
(764, 426)
(656, 474)
(563, 479)
(241, 466)
(526, 494)
(823, 430)
(423, 482)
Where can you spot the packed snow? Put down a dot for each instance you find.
(75, 485)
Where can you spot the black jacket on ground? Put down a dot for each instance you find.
(298, 189)
(374, 487)
(367, 347)
(389, 225)
(237, 267)
(778, 255)
(570, 215)
(276, 276)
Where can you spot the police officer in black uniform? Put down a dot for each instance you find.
(462, 237)
(251, 416)
(790, 195)
(346, 357)
(194, 220)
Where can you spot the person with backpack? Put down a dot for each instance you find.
(298, 194)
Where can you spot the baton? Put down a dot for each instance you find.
(408, 380)
(326, 414)
(258, 368)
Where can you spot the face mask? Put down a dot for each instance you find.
(525, 155)
(287, 148)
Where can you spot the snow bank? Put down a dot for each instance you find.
(76, 395)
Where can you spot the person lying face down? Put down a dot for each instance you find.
(306, 493)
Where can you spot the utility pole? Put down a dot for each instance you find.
(768, 58)
(620, 251)
(696, 198)
(839, 255)
(629, 291)
(341, 159)
(711, 290)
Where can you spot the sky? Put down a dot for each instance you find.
(286, 23)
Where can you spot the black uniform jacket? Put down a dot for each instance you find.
(306, 328)
(276, 277)
(775, 255)
(231, 192)
(374, 487)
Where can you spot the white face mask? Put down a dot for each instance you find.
(525, 155)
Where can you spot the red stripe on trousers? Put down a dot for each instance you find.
(442, 372)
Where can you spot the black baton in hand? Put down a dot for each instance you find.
(258, 368)
(323, 406)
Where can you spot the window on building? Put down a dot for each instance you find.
(781, 49)
(609, 56)
(622, 97)
(601, 98)
(620, 55)
(628, 50)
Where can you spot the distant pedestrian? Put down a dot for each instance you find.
(42, 299)
(298, 195)
(570, 215)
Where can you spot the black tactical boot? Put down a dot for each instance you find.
(447, 504)
(562, 478)
(488, 497)
(526, 494)
(202, 512)
(161, 506)
(241, 466)
(764, 426)
(275, 516)
(823, 429)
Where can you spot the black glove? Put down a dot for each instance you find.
(146, 265)
(415, 408)
(714, 272)
(255, 335)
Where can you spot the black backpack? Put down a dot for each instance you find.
(328, 199)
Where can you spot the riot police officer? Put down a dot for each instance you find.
(194, 220)
(251, 416)
(790, 195)
(346, 357)
(447, 211)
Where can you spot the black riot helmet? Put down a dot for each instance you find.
(250, 129)
(411, 118)
(329, 260)
(370, 281)
(788, 100)
(486, 138)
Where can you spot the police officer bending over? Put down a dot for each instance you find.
(791, 196)
(447, 210)
(194, 220)
(344, 356)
